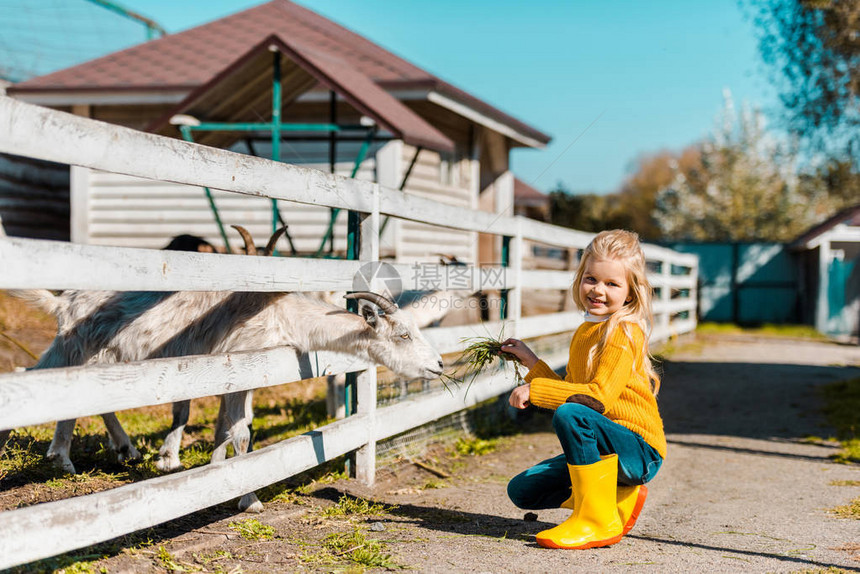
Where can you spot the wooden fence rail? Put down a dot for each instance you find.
(44, 396)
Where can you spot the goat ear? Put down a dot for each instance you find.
(368, 312)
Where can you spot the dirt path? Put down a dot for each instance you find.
(739, 492)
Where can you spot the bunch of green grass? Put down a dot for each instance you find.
(253, 529)
(480, 354)
(349, 506)
(475, 446)
(357, 548)
(850, 510)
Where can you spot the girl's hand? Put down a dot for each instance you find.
(521, 351)
(520, 397)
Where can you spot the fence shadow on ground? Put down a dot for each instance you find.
(461, 523)
(748, 400)
(728, 551)
(452, 521)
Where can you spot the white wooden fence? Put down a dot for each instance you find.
(37, 397)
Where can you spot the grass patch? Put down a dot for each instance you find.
(197, 453)
(770, 330)
(207, 558)
(352, 506)
(280, 420)
(845, 483)
(293, 489)
(23, 464)
(253, 529)
(850, 510)
(474, 446)
(68, 564)
(850, 451)
(841, 405)
(166, 560)
(352, 548)
(284, 494)
(85, 561)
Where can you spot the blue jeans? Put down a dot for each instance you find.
(585, 434)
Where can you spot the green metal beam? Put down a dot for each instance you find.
(276, 125)
(350, 387)
(506, 260)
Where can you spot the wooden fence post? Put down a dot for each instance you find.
(366, 383)
(515, 267)
(665, 320)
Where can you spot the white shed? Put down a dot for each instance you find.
(829, 255)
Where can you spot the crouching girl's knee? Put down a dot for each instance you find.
(518, 493)
(569, 413)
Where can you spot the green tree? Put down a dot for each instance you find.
(813, 46)
(632, 207)
(585, 212)
(842, 182)
(746, 188)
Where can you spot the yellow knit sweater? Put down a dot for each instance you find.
(619, 385)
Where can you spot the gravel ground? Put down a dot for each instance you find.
(740, 490)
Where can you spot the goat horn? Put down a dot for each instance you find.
(384, 303)
(270, 246)
(250, 248)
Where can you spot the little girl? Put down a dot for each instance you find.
(606, 413)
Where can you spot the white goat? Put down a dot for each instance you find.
(425, 308)
(110, 327)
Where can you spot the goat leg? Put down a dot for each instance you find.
(61, 444)
(125, 451)
(222, 436)
(250, 502)
(4, 438)
(168, 454)
(234, 419)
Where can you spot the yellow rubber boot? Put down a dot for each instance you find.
(629, 500)
(595, 521)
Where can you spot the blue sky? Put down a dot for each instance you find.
(643, 75)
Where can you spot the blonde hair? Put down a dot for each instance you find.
(623, 247)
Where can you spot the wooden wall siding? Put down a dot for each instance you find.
(421, 242)
(133, 212)
(34, 198)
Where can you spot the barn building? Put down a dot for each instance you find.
(346, 106)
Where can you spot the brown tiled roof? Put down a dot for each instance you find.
(304, 68)
(193, 57)
(849, 216)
